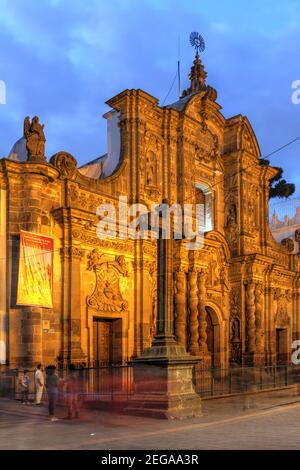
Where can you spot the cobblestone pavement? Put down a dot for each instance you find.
(235, 424)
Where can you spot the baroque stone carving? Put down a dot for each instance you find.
(92, 240)
(202, 275)
(282, 298)
(65, 163)
(193, 310)
(235, 302)
(259, 338)
(180, 307)
(231, 224)
(288, 244)
(250, 316)
(235, 325)
(35, 139)
(107, 296)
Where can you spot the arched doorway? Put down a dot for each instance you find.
(213, 336)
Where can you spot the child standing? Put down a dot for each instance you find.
(24, 383)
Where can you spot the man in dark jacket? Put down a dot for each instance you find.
(52, 390)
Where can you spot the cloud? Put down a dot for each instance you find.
(62, 59)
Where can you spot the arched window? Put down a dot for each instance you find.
(204, 196)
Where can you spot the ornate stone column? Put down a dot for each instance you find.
(193, 316)
(259, 332)
(202, 276)
(74, 321)
(180, 307)
(250, 321)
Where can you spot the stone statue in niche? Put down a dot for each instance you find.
(235, 341)
(251, 214)
(231, 216)
(235, 329)
(224, 278)
(150, 175)
(282, 298)
(35, 138)
(231, 224)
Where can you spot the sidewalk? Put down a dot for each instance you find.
(232, 424)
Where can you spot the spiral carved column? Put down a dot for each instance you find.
(180, 308)
(259, 338)
(250, 312)
(202, 276)
(193, 308)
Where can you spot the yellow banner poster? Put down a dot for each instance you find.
(35, 270)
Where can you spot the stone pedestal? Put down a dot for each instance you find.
(163, 383)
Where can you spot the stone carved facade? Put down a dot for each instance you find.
(241, 280)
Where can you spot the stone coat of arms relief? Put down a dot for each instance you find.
(107, 296)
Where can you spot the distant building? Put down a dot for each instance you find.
(286, 228)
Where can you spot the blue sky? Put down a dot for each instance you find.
(62, 59)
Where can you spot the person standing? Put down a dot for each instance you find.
(24, 383)
(52, 390)
(71, 389)
(39, 384)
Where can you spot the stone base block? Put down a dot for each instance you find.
(164, 391)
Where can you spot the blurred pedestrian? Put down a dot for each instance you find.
(52, 390)
(24, 383)
(71, 393)
(39, 384)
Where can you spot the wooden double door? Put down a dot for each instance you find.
(106, 341)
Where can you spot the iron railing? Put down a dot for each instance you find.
(111, 382)
(115, 382)
(217, 382)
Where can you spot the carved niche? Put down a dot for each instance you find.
(152, 172)
(231, 223)
(282, 298)
(251, 212)
(107, 296)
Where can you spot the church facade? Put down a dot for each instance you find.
(236, 299)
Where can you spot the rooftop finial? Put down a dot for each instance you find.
(197, 42)
(197, 75)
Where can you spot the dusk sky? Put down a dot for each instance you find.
(62, 59)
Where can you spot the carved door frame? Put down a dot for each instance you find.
(124, 339)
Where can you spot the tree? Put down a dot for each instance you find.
(278, 186)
